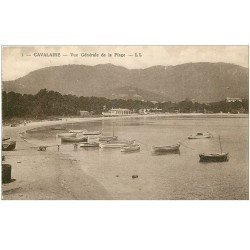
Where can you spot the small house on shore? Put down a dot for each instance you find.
(144, 111)
(84, 113)
(229, 99)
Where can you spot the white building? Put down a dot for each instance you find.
(156, 110)
(144, 111)
(229, 99)
(84, 113)
(117, 112)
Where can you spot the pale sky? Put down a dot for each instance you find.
(19, 61)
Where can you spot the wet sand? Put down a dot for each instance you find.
(46, 175)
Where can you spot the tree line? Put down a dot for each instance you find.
(50, 103)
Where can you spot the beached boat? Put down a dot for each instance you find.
(89, 144)
(115, 144)
(74, 139)
(200, 135)
(8, 146)
(5, 138)
(130, 148)
(214, 157)
(166, 149)
(86, 132)
(218, 157)
(66, 135)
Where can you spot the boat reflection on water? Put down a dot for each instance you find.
(168, 149)
(72, 139)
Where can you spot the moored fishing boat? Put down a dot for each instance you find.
(86, 132)
(89, 144)
(130, 148)
(166, 149)
(200, 135)
(115, 144)
(218, 157)
(108, 138)
(66, 135)
(78, 131)
(8, 146)
(74, 139)
(214, 157)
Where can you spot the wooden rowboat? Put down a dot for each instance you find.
(66, 135)
(130, 148)
(116, 144)
(78, 131)
(108, 138)
(200, 136)
(8, 146)
(5, 138)
(166, 149)
(89, 144)
(91, 132)
(218, 157)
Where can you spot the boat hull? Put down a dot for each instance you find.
(6, 139)
(116, 144)
(76, 131)
(91, 132)
(214, 157)
(89, 144)
(9, 146)
(130, 149)
(112, 145)
(66, 135)
(200, 136)
(72, 139)
(108, 138)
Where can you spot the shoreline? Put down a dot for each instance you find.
(42, 123)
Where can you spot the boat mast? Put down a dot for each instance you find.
(220, 146)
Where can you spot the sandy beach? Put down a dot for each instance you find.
(46, 175)
(54, 175)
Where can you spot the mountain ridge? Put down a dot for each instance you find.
(203, 81)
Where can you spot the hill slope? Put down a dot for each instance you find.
(203, 82)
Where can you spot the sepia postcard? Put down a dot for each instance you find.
(125, 123)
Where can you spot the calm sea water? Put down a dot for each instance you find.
(171, 176)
